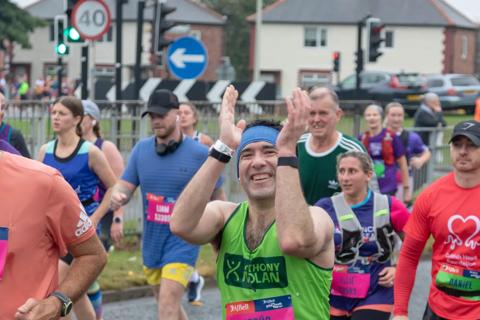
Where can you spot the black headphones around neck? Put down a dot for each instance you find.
(163, 149)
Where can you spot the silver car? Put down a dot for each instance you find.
(456, 91)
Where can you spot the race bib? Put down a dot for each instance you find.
(3, 249)
(350, 283)
(459, 279)
(277, 308)
(159, 209)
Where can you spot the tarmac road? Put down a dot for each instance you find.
(145, 308)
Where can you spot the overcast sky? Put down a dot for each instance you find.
(471, 8)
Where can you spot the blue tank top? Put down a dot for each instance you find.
(76, 171)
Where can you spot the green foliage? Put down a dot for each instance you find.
(16, 23)
(237, 30)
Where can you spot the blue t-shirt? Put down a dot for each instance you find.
(161, 180)
(76, 171)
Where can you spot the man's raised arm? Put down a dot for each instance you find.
(192, 219)
(302, 230)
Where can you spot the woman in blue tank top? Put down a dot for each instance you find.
(188, 122)
(83, 165)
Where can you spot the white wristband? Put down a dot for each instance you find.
(223, 148)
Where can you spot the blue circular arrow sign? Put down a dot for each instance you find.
(187, 58)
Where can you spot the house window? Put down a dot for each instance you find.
(315, 37)
(389, 39)
(197, 34)
(464, 47)
(309, 79)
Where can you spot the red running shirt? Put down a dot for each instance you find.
(452, 215)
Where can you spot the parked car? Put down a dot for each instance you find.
(384, 87)
(456, 91)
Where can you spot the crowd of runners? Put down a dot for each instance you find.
(317, 238)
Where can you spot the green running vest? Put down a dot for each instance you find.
(265, 283)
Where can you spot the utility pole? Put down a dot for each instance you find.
(258, 26)
(118, 49)
(138, 51)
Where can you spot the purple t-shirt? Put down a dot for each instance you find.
(5, 146)
(386, 174)
(415, 145)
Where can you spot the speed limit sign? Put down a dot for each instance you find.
(91, 18)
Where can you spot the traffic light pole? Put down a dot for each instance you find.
(84, 68)
(358, 71)
(138, 51)
(59, 75)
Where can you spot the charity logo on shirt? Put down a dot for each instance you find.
(258, 273)
(463, 231)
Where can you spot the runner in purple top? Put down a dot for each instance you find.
(5, 146)
(387, 151)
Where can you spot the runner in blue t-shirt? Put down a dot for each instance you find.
(162, 165)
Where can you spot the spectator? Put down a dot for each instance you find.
(387, 151)
(447, 210)
(429, 115)
(318, 149)
(162, 165)
(9, 134)
(274, 250)
(41, 218)
(366, 223)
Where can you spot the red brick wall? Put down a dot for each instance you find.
(454, 62)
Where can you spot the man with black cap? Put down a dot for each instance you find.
(449, 210)
(162, 165)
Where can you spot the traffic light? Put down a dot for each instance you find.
(72, 35)
(374, 31)
(61, 47)
(336, 61)
(162, 25)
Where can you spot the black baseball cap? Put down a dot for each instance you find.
(161, 101)
(469, 129)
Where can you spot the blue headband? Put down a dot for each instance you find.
(256, 134)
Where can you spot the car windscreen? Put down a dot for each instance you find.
(410, 79)
(465, 81)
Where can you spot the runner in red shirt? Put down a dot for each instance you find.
(449, 210)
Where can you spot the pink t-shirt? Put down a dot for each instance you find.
(40, 215)
(451, 214)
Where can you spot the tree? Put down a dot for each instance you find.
(16, 24)
(237, 31)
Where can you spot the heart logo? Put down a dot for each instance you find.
(454, 238)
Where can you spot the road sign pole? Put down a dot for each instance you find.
(84, 67)
(118, 50)
(59, 75)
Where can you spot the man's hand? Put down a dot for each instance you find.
(407, 197)
(117, 200)
(387, 276)
(230, 134)
(416, 162)
(33, 309)
(298, 108)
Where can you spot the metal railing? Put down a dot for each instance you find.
(122, 124)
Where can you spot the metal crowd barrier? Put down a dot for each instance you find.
(122, 124)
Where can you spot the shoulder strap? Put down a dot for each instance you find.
(404, 137)
(381, 210)
(345, 216)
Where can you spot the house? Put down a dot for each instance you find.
(193, 18)
(299, 38)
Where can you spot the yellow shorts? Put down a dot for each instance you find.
(179, 272)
